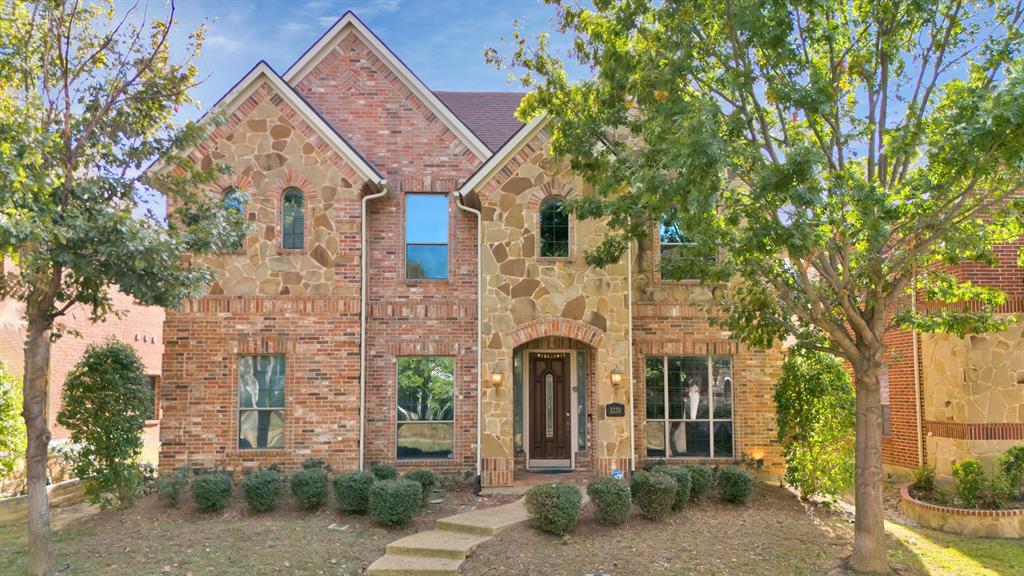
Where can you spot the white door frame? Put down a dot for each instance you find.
(573, 419)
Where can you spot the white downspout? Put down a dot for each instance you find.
(364, 227)
(479, 319)
(629, 362)
(917, 381)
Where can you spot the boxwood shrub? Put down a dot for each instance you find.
(395, 502)
(384, 471)
(425, 478)
(262, 489)
(701, 480)
(681, 476)
(612, 499)
(654, 493)
(735, 484)
(554, 507)
(211, 491)
(352, 491)
(310, 487)
(169, 488)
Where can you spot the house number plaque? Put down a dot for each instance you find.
(614, 410)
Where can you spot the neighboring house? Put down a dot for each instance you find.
(140, 326)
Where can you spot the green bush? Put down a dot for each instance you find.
(425, 478)
(681, 476)
(814, 410)
(612, 499)
(554, 507)
(735, 484)
(310, 487)
(654, 493)
(262, 489)
(352, 491)
(169, 488)
(702, 479)
(384, 471)
(12, 425)
(924, 480)
(211, 491)
(998, 492)
(395, 502)
(104, 408)
(968, 481)
(1012, 465)
(309, 463)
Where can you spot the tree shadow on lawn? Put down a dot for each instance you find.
(942, 553)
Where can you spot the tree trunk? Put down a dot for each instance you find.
(869, 554)
(37, 378)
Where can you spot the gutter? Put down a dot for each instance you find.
(364, 227)
(917, 381)
(629, 358)
(479, 320)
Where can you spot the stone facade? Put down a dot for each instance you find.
(988, 523)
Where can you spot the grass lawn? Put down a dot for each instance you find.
(772, 535)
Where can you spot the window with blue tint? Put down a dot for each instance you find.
(293, 220)
(426, 236)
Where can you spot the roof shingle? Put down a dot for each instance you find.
(490, 115)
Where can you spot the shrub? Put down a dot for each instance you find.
(352, 491)
(425, 478)
(104, 407)
(612, 499)
(262, 489)
(12, 425)
(681, 476)
(211, 491)
(554, 507)
(384, 471)
(1012, 465)
(815, 413)
(310, 463)
(998, 491)
(394, 502)
(924, 480)
(702, 479)
(169, 488)
(968, 481)
(735, 484)
(654, 493)
(310, 487)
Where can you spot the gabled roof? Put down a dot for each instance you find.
(263, 72)
(490, 115)
(502, 155)
(350, 24)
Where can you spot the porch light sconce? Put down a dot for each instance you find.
(616, 377)
(496, 378)
(759, 460)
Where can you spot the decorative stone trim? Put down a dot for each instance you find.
(270, 305)
(605, 465)
(556, 327)
(310, 196)
(686, 347)
(970, 522)
(496, 472)
(975, 430)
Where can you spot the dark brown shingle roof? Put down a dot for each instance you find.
(490, 115)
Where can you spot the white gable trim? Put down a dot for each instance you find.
(349, 23)
(501, 156)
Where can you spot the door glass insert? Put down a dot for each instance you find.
(549, 405)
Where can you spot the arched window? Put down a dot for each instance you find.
(554, 228)
(293, 220)
(234, 204)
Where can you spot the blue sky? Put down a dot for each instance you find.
(441, 40)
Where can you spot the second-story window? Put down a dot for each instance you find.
(234, 203)
(675, 242)
(426, 236)
(554, 229)
(293, 220)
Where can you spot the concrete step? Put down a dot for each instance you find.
(400, 565)
(438, 544)
(486, 521)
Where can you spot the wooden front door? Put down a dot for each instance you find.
(550, 410)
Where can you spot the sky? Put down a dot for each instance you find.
(442, 41)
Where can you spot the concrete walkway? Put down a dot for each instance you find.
(440, 552)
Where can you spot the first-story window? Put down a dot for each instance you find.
(151, 411)
(426, 407)
(689, 407)
(261, 401)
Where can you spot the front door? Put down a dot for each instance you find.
(550, 422)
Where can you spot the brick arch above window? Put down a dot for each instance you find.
(310, 197)
(564, 327)
(548, 189)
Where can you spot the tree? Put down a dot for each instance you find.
(88, 97)
(105, 402)
(831, 156)
(12, 427)
(815, 412)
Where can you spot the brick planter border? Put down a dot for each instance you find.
(970, 522)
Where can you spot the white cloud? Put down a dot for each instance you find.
(293, 27)
(223, 43)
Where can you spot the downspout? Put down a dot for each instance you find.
(364, 227)
(479, 320)
(629, 362)
(917, 380)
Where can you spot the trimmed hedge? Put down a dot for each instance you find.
(654, 493)
(211, 491)
(735, 484)
(352, 491)
(395, 502)
(554, 507)
(310, 487)
(424, 478)
(612, 499)
(702, 479)
(384, 471)
(681, 476)
(169, 488)
(262, 489)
